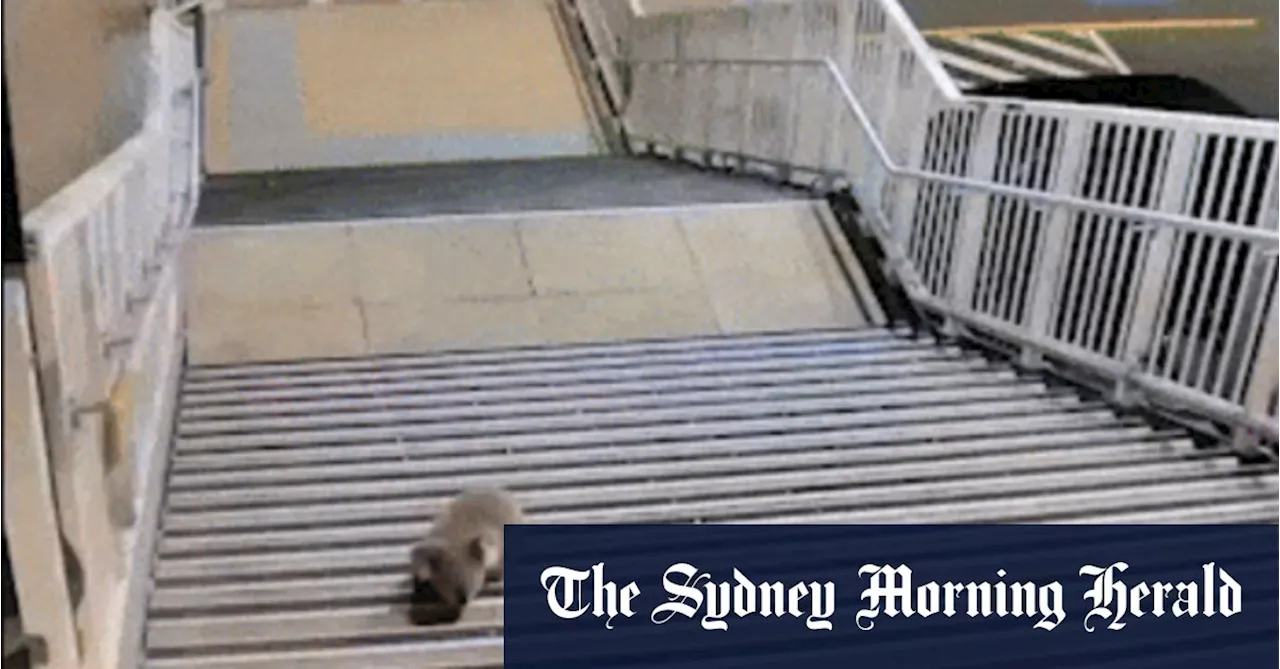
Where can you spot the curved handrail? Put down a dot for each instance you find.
(887, 156)
(893, 167)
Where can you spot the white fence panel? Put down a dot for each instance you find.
(1136, 243)
(106, 317)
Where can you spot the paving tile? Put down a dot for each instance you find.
(596, 253)
(431, 261)
(766, 268)
(745, 307)
(315, 291)
(424, 327)
(234, 334)
(279, 266)
(649, 314)
(499, 63)
(758, 242)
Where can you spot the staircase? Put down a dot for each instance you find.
(614, 338)
(296, 487)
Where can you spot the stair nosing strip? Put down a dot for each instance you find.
(762, 381)
(1099, 419)
(499, 367)
(567, 435)
(571, 351)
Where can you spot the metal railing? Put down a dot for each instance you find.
(1140, 245)
(103, 294)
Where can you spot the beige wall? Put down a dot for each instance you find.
(379, 83)
(76, 85)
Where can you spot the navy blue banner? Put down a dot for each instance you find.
(891, 596)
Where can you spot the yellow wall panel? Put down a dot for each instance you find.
(217, 100)
(442, 66)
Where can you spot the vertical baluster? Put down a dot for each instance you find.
(1258, 399)
(928, 226)
(30, 512)
(1106, 149)
(942, 220)
(973, 215)
(1047, 282)
(1231, 212)
(1110, 237)
(1159, 257)
(1182, 336)
(995, 245)
(1149, 152)
(1257, 263)
(1031, 216)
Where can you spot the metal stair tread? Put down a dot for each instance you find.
(469, 652)
(583, 353)
(456, 473)
(327, 626)
(422, 396)
(425, 493)
(487, 454)
(423, 406)
(540, 373)
(461, 439)
(440, 367)
(396, 425)
(295, 489)
(575, 382)
(347, 511)
(720, 496)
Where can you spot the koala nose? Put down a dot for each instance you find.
(433, 614)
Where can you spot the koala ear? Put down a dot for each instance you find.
(424, 558)
(481, 551)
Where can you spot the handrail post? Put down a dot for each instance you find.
(30, 509)
(1048, 269)
(1260, 397)
(905, 194)
(879, 160)
(971, 224)
(1157, 263)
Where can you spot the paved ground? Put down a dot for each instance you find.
(348, 289)
(1239, 61)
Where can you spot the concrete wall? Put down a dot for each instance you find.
(76, 71)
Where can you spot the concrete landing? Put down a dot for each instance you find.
(389, 83)
(262, 293)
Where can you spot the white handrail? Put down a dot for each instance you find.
(893, 167)
(1133, 224)
(103, 283)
